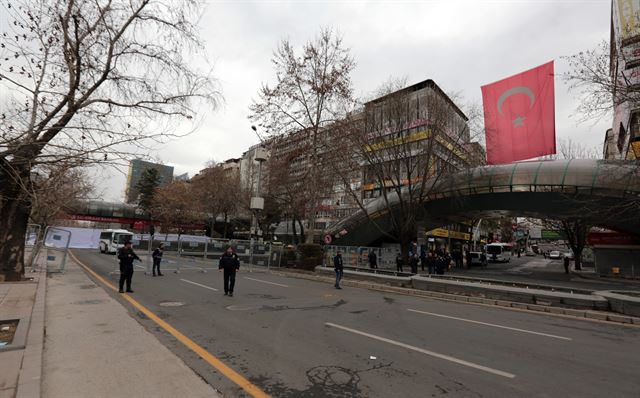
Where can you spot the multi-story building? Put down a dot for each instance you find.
(421, 116)
(625, 70)
(136, 168)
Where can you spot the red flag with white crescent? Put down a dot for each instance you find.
(519, 116)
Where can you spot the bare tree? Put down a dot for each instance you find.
(88, 82)
(176, 206)
(403, 143)
(54, 189)
(599, 90)
(309, 94)
(217, 193)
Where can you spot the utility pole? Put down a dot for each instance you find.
(257, 201)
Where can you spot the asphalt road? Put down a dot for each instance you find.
(299, 338)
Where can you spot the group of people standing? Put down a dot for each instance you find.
(229, 264)
(435, 261)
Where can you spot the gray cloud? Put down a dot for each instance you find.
(460, 44)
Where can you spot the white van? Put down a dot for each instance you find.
(499, 252)
(113, 239)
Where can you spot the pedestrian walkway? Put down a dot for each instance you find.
(95, 348)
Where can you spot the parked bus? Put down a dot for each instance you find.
(499, 252)
(113, 239)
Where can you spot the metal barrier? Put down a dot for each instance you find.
(56, 245)
(195, 253)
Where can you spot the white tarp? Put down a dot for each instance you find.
(83, 238)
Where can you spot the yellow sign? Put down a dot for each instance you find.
(445, 233)
(417, 136)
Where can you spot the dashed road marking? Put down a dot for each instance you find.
(492, 325)
(426, 352)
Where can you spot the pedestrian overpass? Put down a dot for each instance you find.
(604, 193)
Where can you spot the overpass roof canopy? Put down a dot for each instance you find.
(617, 178)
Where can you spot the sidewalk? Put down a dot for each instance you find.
(94, 348)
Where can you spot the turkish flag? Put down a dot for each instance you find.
(519, 116)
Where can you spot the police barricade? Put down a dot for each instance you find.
(142, 246)
(191, 253)
(56, 245)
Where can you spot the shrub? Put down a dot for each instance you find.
(310, 256)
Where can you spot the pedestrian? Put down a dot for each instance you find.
(483, 259)
(399, 262)
(414, 263)
(440, 264)
(373, 260)
(431, 262)
(339, 268)
(423, 257)
(157, 257)
(468, 257)
(230, 264)
(566, 264)
(126, 257)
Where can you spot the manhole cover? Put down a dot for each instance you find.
(172, 304)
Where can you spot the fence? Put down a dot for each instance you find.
(202, 253)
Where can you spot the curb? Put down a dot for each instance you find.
(588, 315)
(30, 377)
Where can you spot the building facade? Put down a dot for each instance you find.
(136, 168)
(625, 71)
(417, 125)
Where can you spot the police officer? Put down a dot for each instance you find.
(157, 258)
(126, 257)
(230, 264)
(338, 267)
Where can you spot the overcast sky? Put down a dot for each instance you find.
(461, 45)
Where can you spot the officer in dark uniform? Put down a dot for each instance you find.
(126, 257)
(229, 263)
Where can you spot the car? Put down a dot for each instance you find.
(530, 253)
(569, 255)
(554, 254)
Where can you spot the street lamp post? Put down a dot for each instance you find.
(257, 202)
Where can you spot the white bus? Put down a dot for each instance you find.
(113, 239)
(499, 252)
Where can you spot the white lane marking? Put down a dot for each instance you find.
(427, 352)
(492, 324)
(271, 283)
(197, 284)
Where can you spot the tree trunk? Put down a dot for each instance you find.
(295, 232)
(301, 231)
(14, 218)
(578, 260)
(224, 234)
